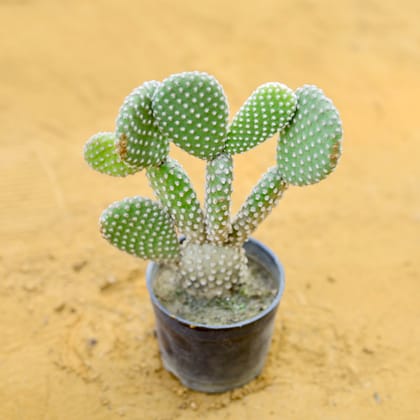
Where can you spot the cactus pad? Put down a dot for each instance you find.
(265, 112)
(192, 110)
(139, 141)
(101, 155)
(210, 270)
(259, 204)
(141, 227)
(174, 190)
(310, 146)
(218, 197)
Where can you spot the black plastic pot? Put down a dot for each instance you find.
(219, 357)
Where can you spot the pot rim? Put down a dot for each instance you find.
(280, 279)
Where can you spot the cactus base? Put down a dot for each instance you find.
(210, 271)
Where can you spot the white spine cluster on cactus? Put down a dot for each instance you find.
(191, 110)
(211, 270)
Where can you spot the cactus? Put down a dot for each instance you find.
(190, 109)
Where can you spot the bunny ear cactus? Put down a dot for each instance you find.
(191, 110)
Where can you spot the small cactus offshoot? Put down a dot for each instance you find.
(191, 110)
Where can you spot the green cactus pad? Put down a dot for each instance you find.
(142, 228)
(139, 141)
(209, 270)
(310, 146)
(175, 191)
(101, 155)
(218, 197)
(259, 204)
(266, 111)
(192, 110)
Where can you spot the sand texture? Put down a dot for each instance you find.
(75, 319)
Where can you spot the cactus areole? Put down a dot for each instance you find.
(190, 109)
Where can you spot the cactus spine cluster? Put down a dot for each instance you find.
(190, 109)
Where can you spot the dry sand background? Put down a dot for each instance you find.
(76, 325)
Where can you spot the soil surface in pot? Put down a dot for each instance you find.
(247, 301)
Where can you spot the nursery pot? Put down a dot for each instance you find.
(216, 358)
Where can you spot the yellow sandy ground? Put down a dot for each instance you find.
(76, 326)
